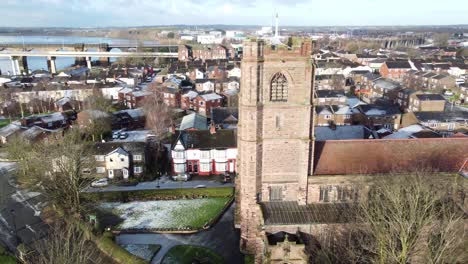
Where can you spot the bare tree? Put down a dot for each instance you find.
(64, 244)
(412, 217)
(404, 219)
(159, 116)
(441, 39)
(58, 169)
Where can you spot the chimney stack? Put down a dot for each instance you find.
(212, 128)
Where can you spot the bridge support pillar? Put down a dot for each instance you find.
(51, 65)
(15, 66)
(88, 62)
(104, 47)
(24, 65)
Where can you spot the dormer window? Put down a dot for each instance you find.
(279, 88)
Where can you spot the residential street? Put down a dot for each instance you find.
(222, 238)
(19, 209)
(164, 183)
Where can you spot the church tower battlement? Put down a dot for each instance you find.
(274, 131)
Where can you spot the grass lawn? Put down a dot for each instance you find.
(6, 259)
(191, 254)
(3, 123)
(169, 214)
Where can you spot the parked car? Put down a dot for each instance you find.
(123, 135)
(227, 179)
(115, 135)
(181, 177)
(100, 183)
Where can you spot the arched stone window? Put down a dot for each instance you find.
(279, 88)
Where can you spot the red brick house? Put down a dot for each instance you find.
(187, 100)
(171, 96)
(395, 69)
(203, 103)
(132, 98)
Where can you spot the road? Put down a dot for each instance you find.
(164, 183)
(19, 209)
(222, 238)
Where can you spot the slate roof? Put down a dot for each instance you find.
(105, 148)
(194, 120)
(386, 84)
(341, 132)
(203, 139)
(10, 129)
(190, 94)
(455, 116)
(430, 97)
(398, 65)
(329, 93)
(288, 213)
(220, 115)
(379, 109)
(210, 96)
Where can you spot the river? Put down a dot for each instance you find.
(38, 63)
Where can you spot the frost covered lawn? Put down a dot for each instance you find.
(172, 214)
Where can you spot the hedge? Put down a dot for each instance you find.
(164, 194)
(107, 245)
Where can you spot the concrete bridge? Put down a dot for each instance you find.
(399, 41)
(84, 47)
(19, 60)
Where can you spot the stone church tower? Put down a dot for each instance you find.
(275, 131)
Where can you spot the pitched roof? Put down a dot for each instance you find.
(105, 148)
(342, 157)
(330, 93)
(341, 132)
(454, 116)
(398, 64)
(219, 115)
(286, 213)
(386, 84)
(210, 96)
(194, 120)
(203, 139)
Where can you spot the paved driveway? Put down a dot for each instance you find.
(19, 209)
(164, 183)
(222, 238)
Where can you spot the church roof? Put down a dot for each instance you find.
(288, 213)
(347, 157)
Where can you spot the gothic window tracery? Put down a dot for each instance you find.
(279, 88)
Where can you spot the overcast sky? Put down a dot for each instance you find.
(92, 13)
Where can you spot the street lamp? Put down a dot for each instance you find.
(13, 215)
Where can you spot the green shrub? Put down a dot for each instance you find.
(107, 245)
(185, 254)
